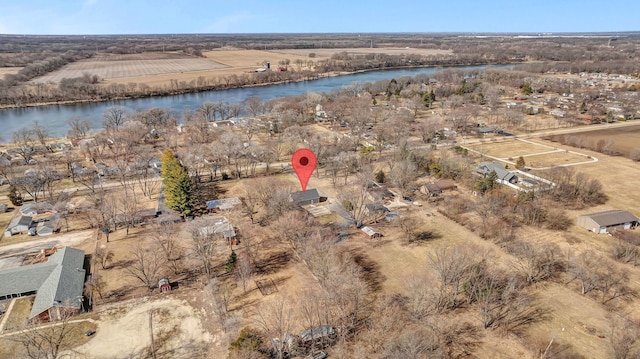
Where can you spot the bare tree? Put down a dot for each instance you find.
(205, 242)
(104, 256)
(165, 232)
(244, 269)
(78, 127)
(624, 338)
(114, 117)
(275, 319)
(47, 341)
(24, 139)
(147, 265)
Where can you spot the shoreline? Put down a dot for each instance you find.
(197, 90)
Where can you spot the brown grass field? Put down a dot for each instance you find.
(124, 66)
(626, 138)
(374, 50)
(157, 69)
(9, 70)
(536, 155)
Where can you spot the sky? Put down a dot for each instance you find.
(91, 17)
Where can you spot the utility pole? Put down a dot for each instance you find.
(153, 344)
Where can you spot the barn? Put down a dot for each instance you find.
(608, 221)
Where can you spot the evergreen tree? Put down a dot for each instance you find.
(520, 163)
(178, 189)
(231, 262)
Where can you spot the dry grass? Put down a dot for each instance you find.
(9, 70)
(120, 69)
(374, 50)
(536, 155)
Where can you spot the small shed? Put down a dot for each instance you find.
(164, 285)
(370, 232)
(3, 207)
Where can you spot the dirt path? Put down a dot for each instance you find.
(66, 239)
(123, 331)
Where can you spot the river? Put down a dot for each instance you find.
(55, 117)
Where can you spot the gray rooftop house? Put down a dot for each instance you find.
(18, 225)
(57, 284)
(310, 196)
(223, 203)
(608, 221)
(504, 176)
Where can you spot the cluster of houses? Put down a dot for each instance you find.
(34, 219)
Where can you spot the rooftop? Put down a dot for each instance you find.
(612, 217)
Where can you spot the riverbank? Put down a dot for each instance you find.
(225, 87)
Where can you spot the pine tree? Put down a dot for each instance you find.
(520, 163)
(231, 262)
(178, 189)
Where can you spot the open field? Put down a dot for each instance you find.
(155, 69)
(536, 155)
(321, 52)
(625, 139)
(252, 59)
(112, 67)
(9, 70)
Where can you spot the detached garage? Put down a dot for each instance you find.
(608, 221)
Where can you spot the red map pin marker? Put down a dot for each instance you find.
(304, 162)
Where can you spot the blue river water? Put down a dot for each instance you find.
(55, 117)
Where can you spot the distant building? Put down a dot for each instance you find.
(608, 221)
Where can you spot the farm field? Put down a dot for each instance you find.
(119, 66)
(157, 69)
(536, 155)
(375, 50)
(625, 138)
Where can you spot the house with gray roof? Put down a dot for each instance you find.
(223, 203)
(303, 198)
(18, 225)
(57, 284)
(608, 221)
(504, 176)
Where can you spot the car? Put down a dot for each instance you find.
(89, 333)
(408, 199)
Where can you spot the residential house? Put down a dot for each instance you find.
(435, 188)
(504, 176)
(57, 284)
(303, 198)
(608, 221)
(49, 225)
(223, 204)
(221, 227)
(18, 225)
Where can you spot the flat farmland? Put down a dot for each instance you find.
(132, 66)
(375, 50)
(536, 155)
(252, 59)
(625, 138)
